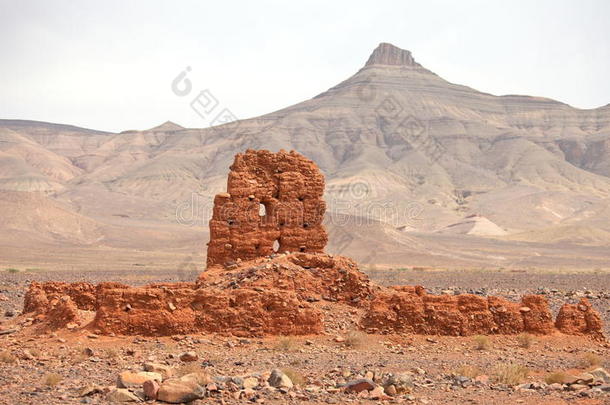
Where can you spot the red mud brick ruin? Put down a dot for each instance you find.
(251, 288)
(271, 198)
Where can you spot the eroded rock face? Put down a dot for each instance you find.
(271, 199)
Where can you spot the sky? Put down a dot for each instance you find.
(109, 65)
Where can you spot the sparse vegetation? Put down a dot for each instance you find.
(79, 358)
(296, 377)
(35, 352)
(7, 357)
(468, 371)
(12, 270)
(285, 344)
(52, 379)
(590, 360)
(510, 374)
(555, 378)
(112, 353)
(525, 340)
(356, 339)
(482, 342)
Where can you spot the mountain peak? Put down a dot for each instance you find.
(388, 54)
(167, 126)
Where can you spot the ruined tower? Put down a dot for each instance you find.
(274, 203)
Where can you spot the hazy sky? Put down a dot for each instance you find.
(109, 64)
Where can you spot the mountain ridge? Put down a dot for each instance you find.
(393, 135)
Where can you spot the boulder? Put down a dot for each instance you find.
(177, 391)
(130, 379)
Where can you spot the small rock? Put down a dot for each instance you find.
(378, 393)
(27, 355)
(419, 371)
(601, 374)
(189, 356)
(165, 370)
(151, 389)
(359, 385)
(89, 390)
(250, 382)
(278, 379)
(482, 379)
(122, 395)
(402, 382)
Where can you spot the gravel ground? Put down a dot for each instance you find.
(323, 362)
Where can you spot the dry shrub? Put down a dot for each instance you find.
(556, 378)
(52, 379)
(7, 357)
(469, 371)
(296, 377)
(285, 344)
(356, 339)
(525, 340)
(112, 353)
(79, 358)
(590, 360)
(510, 374)
(35, 352)
(12, 270)
(482, 342)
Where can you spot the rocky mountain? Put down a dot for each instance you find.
(405, 154)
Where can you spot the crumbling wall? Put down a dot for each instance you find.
(273, 203)
(579, 319)
(411, 310)
(39, 295)
(166, 310)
